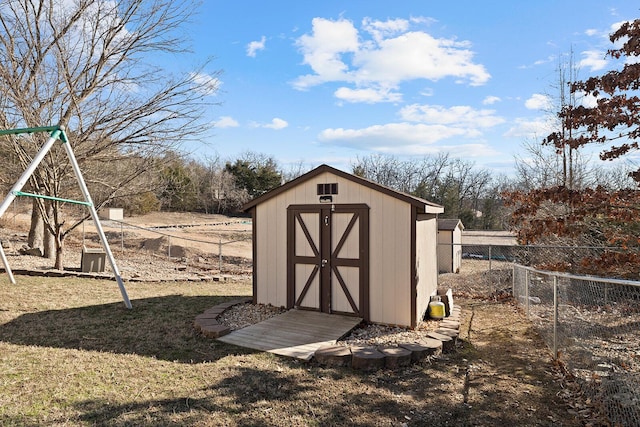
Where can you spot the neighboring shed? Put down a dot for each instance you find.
(333, 242)
(116, 214)
(449, 245)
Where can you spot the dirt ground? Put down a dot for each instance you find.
(501, 374)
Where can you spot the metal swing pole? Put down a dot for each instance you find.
(55, 134)
(96, 220)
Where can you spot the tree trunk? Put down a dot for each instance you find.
(59, 265)
(49, 243)
(36, 230)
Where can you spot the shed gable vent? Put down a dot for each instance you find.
(325, 189)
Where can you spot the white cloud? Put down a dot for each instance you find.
(534, 128)
(426, 92)
(417, 55)
(205, 84)
(396, 133)
(255, 46)
(323, 49)
(459, 116)
(588, 101)
(538, 101)
(548, 59)
(368, 95)
(276, 124)
(383, 55)
(380, 30)
(490, 100)
(406, 139)
(593, 59)
(226, 122)
(422, 130)
(616, 26)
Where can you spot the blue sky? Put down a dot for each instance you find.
(330, 81)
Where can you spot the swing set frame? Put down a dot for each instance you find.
(57, 133)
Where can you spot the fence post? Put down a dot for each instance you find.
(122, 237)
(526, 290)
(555, 317)
(490, 277)
(513, 279)
(169, 248)
(220, 256)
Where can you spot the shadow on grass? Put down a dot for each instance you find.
(257, 397)
(160, 327)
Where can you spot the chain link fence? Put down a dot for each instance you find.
(495, 260)
(591, 325)
(212, 244)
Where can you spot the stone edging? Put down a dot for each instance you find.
(442, 340)
(109, 276)
(207, 323)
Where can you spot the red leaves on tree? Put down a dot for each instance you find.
(593, 217)
(616, 117)
(589, 217)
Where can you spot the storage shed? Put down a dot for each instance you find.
(116, 214)
(334, 242)
(449, 245)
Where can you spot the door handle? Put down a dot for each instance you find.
(323, 263)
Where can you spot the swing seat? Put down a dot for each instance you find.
(93, 260)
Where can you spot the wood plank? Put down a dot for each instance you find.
(296, 333)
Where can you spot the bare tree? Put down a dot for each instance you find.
(225, 196)
(87, 65)
(401, 175)
(458, 185)
(295, 170)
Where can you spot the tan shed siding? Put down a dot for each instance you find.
(312, 297)
(271, 239)
(303, 247)
(351, 247)
(338, 300)
(389, 249)
(426, 250)
(390, 252)
(271, 225)
(444, 251)
(390, 246)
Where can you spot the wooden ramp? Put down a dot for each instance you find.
(296, 333)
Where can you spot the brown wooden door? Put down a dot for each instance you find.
(328, 258)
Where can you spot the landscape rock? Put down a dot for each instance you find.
(367, 359)
(335, 355)
(395, 357)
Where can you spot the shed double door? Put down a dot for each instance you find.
(328, 258)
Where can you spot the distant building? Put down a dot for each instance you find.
(449, 245)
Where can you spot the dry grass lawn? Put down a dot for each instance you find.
(71, 354)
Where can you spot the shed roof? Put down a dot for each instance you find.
(449, 224)
(424, 206)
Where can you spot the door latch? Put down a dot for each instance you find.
(323, 263)
(326, 220)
